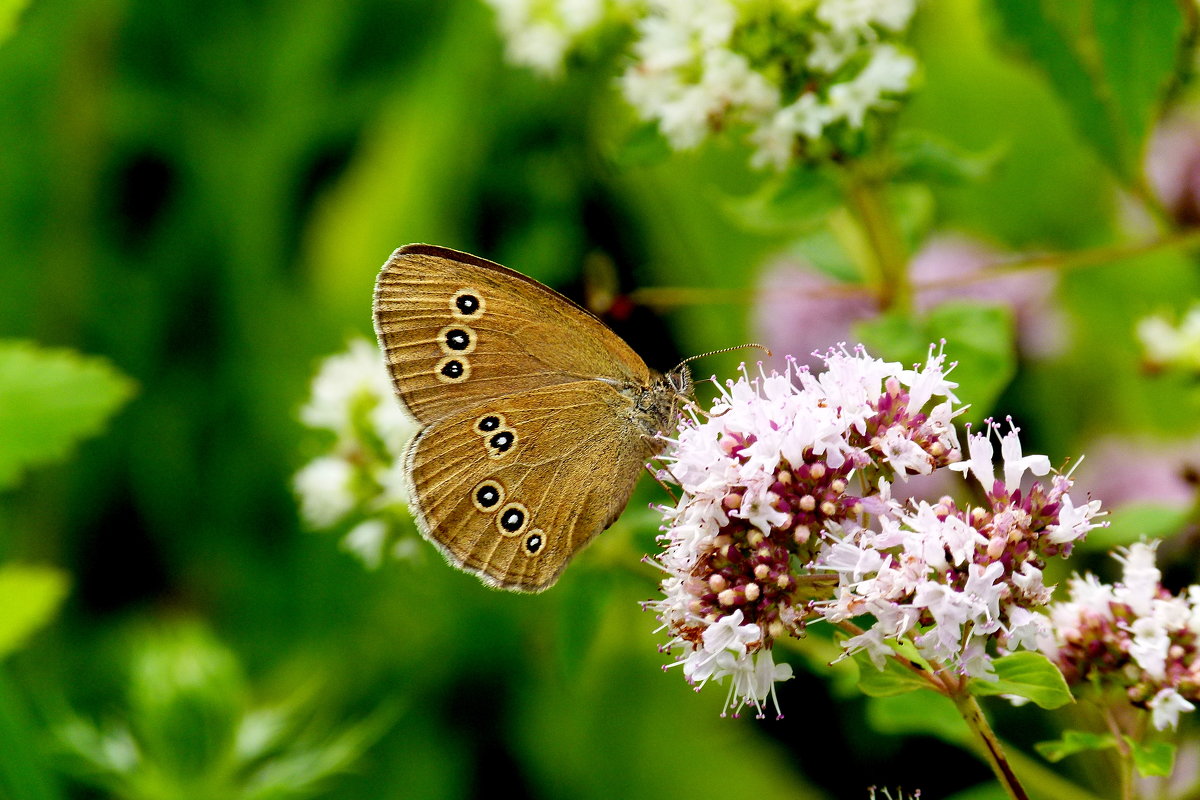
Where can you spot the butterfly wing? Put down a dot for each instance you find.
(457, 330)
(513, 487)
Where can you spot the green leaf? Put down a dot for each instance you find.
(1152, 759)
(29, 598)
(1136, 521)
(24, 773)
(892, 680)
(979, 338)
(1073, 742)
(1109, 61)
(50, 399)
(926, 157)
(643, 146)
(1028, 675)
(793, 202)
(10, 10)
(927, 713)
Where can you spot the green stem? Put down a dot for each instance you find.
(866, 199)
(1124, 756)
(1062, 262)
(670, 297)
(988, 744)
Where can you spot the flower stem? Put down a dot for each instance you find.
(866, 199)
(1186, 240)
(1124, 756)
(989, 744)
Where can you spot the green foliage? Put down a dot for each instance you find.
(29, 598)
(928, 157)
(1029, 675)
(49, 400)
(1151, 758)
(1073, 742)
(10, 12)
(191, 732)
(978, 338)
(1133, 522)
(1110, 63)
(923, 713)
(792, 202)
(892, 680)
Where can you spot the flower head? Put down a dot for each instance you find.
(766, 475)
(360, 479)
(1133, 636)
(789, 477)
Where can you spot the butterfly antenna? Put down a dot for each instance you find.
(762, 347)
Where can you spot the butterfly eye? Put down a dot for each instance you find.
(512, 519)
(489, 423)
(453, 370)
(534, 542)
(466, 303)
(456, 339)
(501, 442)
(487, 495)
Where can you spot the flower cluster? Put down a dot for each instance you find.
(765, 476)
(1134, 636)
(361, 479)
(1172, 346)
(540, 33)
(789, 477)
(800, 78)
(955, 579)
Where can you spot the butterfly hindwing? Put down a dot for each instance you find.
(511, 488)
(457, 330)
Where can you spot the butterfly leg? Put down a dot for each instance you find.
(658, 480)
(691, 405)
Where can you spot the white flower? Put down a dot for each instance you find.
(888, 72)
(1015, 464)
(728, 633)
(1165, 708)
(1140, 577)
(690, 76)
(1169, 345)
(540, 33)
(366, 540)
(846, 16)
(349, 382)
(979, 462)
(325, 491)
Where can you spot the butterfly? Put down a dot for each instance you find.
(536, 418)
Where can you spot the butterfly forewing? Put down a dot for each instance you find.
(511, 488)
(457, 330)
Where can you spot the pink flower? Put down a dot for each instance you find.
(1141, 471)
(1173, 167)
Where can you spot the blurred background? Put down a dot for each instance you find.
(194, 202)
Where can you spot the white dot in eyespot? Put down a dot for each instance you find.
(512, 520)
(452, 369)
(487, 495)
(457, 340)
(467, 303)
(534, 542)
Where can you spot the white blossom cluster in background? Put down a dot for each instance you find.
(1133, 635)
(360, 481)
(800, 79)
(790, 475)
(1169, 346)
(539, 34)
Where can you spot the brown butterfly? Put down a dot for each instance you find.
(537, 418)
